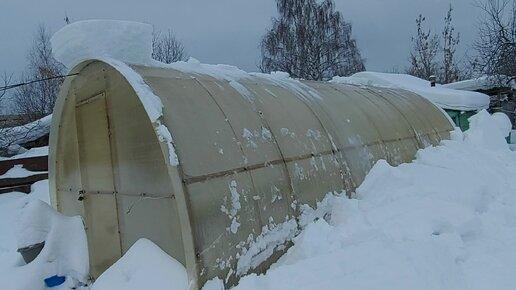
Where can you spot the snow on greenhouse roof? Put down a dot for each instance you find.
(130, 43)
(444, 97)
(127, 41)
(483, 83)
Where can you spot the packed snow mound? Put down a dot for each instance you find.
(127, 41)
(144, 266)
(445, 98)
(489, 131)
(65, 252)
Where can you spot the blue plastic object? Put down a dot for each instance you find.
(54, 281)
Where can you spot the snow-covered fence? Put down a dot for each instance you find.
(20, 174)
(11, 138)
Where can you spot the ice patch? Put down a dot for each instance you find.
(299, 172)
(234, 208)
(234, 226)
(315, 134)
(235, 198)
(284, 132)
(266, 134)
(248, 135)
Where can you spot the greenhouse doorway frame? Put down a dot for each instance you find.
(98, 192)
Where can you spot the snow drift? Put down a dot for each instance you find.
(25, 221)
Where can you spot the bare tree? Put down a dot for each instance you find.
(4, 84)
(166, 48)
(310, 40)
(496, 43)
(423, 57)
(449, 71)
(37, 99)
(11, 138)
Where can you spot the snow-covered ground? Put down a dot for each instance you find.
(445, 221)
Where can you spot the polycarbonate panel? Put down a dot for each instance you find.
(314, 177)
(356, 132)
(419, 127)
(95, 152)
(204, 139)
(154, 218)
(70, 175)
(145, 200)
(297, 130)
(253, 135)
(432, 117)
(139, 164)
(385, 116)
(273, 196)
(100, 218)
(224, 216)
(396, 137)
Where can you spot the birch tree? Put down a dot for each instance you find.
(310, 40)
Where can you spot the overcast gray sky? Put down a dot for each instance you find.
(229, 31)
